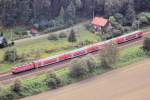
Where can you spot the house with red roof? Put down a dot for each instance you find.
(99, 23)
(34, 32)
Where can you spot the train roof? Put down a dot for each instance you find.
(83, 48)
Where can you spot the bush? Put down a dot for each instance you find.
(10, 55)
(53, 81)
(146, 45)
(72, 36)
(119, 17)
(91, 62)
(6, 95)
(109, 55)
(144, 19)
(90, 27)
(62, 35)
(53, 37)
(17, 87)
(126, 29)
(85, 42)
(78, 68)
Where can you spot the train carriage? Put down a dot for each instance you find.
(22, 68)
(76, 53)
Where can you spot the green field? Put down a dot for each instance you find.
(39, 84)
(43, 44)
(126, 57)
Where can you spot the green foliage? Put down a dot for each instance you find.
(91, 62)
(130, 55)
(17, 87)
(10, 55)
(62, 12)
(109, 55)
(20, 31)
(130, 13)
(53, 80)
(90, 28)
(53, 37)
(78, 68)
(62, 35)
(143, 19)
(39, 84)
(6, 95)
(119, 18)
(146, 45)
(78, 4)
(72, 36)
(70, 14)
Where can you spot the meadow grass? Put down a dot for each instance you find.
(44, 44)
(38, 84)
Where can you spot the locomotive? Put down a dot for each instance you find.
(76, 53)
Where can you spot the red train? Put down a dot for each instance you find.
(75, 53)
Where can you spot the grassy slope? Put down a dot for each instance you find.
(44, 44)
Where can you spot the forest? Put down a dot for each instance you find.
(29, 12)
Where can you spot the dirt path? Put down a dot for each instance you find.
(128, 83)
(75, 27)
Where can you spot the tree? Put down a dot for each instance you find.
(78, 68)
(53, 80)
(10, 55)
(62, 12)
(17, 87)
(72, 36)
(78, 4)
(109, 55)
(130, 13)
(70, 14)
(91, 62)
(108, 7)
(146, 45)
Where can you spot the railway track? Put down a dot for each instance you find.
(9, 77)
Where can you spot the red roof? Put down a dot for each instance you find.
(33, 30)
(99, 21)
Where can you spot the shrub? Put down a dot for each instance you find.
(6, 95)
(78, 68)
(53, 81)
(91, 62)
(72, 36)
(62, 35)
(53, 37)
(10, 55)
(109, 55)
(90, 27)
(17, 87)
(119, 17)
(126, 29)
(143, 19)
(146, 45)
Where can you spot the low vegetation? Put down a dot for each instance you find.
(45, 47)
(80, 69)
(146, 46)
(109, 55)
